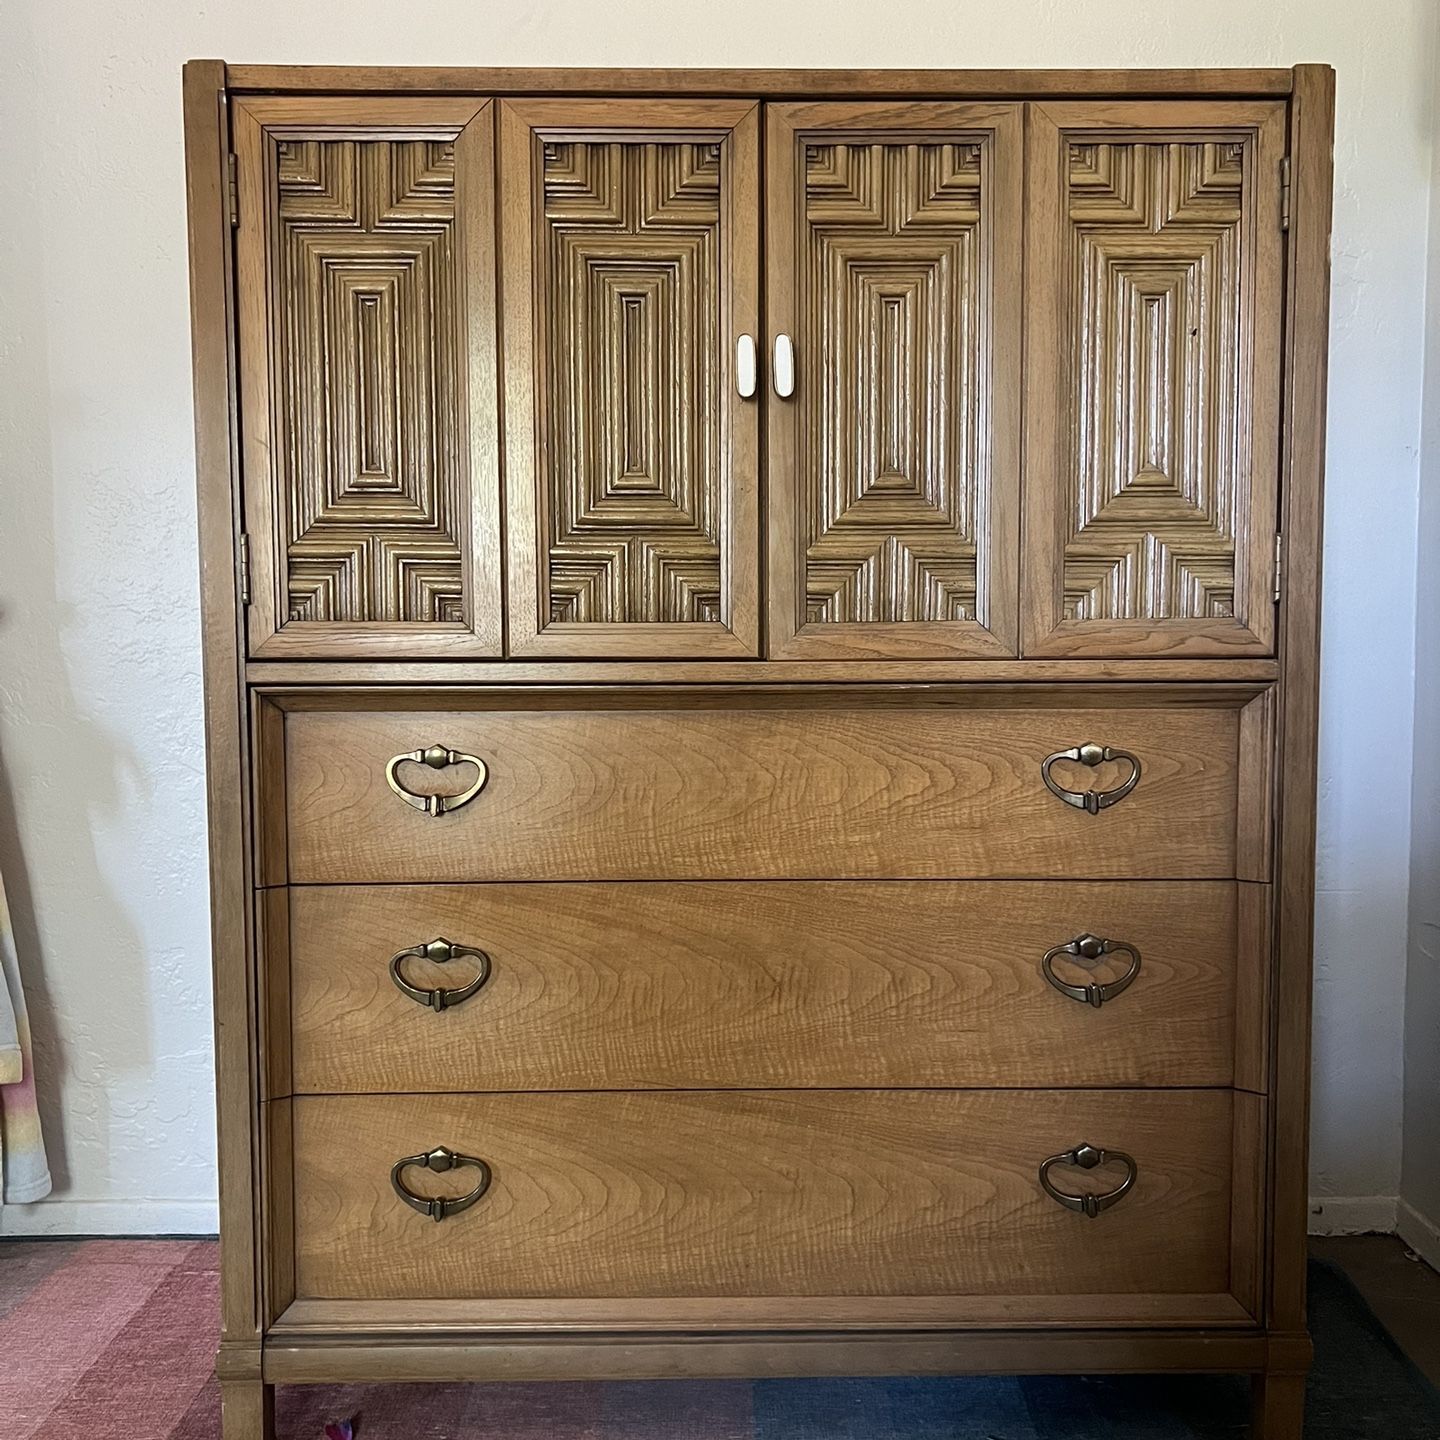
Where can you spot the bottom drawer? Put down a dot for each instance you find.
(916, 1193)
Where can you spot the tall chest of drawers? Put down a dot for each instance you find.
(760, 648)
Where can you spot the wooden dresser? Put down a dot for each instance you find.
(760, 651)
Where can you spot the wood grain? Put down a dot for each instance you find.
(1153, 341)
(836, 1315)
(917, 793)
(1250, 1183)
(1254, 842)
(366, 276)
(893, 260)
(247, 1409)
(1278, 1406)
(344, 1357)
(787, 984)
(773, 83)
(630, 234)
(227, 760)
(1312, 130)
(269, 791)
(755, 691)
(274, 1003)
(277, 1186)
(1254, 986)
(763, 1193)
(780, 672)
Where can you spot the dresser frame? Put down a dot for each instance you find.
(254, 1354)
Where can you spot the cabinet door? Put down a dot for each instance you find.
(630, 272)
(366, 304)
(893, 273)
(1153, 294)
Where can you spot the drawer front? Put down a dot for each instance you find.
(752, 1194)
(925, 791)
(728, 984)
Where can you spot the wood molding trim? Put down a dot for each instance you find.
(762, 84)
(857, 693)
(1312, 128)
(1053, 1352)
(207, 143)
(308, 1320)
(780, 672)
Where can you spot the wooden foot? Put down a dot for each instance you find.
(247, 1410)
(1278, 1412)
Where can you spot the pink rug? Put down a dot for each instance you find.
(115, 1340)
(108, 1340)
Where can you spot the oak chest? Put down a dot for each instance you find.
(760, 652)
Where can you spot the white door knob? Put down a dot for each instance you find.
(745, 366)
(784, 369)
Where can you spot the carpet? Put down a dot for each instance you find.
(113, 1340)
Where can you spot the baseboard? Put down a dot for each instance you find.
(47, 1218)
(1420, 1233)
(1352, 1214)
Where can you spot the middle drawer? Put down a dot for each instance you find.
(785, 984)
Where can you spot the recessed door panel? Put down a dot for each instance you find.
(893, 298)
(1152, 378)
(630, 276)
(365, 291)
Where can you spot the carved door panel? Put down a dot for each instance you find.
(366, 304)
(1153, 293)
(630, 235)
(893, 248)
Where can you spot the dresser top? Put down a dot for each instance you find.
(791, 84)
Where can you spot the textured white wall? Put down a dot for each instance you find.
(102, 838)
(1420, 1179)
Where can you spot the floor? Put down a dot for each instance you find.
(1402, 1290)
(129, 1329)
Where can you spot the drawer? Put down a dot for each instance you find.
(678, 1194)
(781, 983)
(924, 791)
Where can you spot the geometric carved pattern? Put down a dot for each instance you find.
(368, 374)
(1158, 254)
(893, 315)
(633, 366)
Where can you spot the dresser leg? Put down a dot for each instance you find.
(247, 1410)
(1278, 1412)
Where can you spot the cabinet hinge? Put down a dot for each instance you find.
(1285, 193)
(1279, 544)
(244, 569)
(232, 189)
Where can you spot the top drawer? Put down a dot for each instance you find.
(919, 791)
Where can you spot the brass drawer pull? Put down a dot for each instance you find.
(1091, 801)
(441, 951)
(1087, 1157)
(1091, 947)
(437, 757)
(439, 1160)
